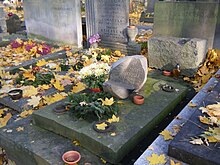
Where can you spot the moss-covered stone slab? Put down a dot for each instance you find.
(136, 121)
(36, 146)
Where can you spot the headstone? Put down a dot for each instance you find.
(186, 20)
(13, 24)
(127, 75)
(56, 20)
(166, 52)
(109, 18)
(3, 28)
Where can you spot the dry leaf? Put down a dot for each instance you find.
(101, 126)
(3, 121)
(41, 62)
(173, 163)
(58, 85)
(113, 134)
(34, 101)
(197, 141)
(107, 102)
(76, 143)
(167, 135)
(29, 91)
(26, 113)
(20, 129)
(114, 119)
(155, 159)
(78, 87)
(192, 105)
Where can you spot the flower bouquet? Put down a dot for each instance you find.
(94, 40)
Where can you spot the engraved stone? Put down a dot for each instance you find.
(127, 75)
(56, 20)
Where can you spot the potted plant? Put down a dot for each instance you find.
(95, 75)
(71, 157)
(94, 40)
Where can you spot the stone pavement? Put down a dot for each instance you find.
(159, 146)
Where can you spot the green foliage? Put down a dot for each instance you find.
(40, 79)
(86, 104)
(94, 81)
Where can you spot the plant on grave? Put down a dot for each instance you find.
(34, 77)
(95, 38)
(94, 75)
(102, 105)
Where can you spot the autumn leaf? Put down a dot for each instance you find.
(114, 119)
(107, 102)
(29, 91)
(66, 82)
(113, 134)
(78, 87)
(167, 135)
(173, 163)
(76, 142)
(3, 121)
(101, 126)
(192, 105)
(197, 141)
(204, 120)
(34, 101)
(20, 129)
(44, 87)
(58, 85)
(26, 113)
(29, 75)
(155, 159)
(41, 62)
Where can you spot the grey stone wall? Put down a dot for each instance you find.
(3, 28)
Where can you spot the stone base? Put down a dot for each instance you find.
(36, 146)
(125, 48)
(166, 52)
(135, 120)
(181, 149)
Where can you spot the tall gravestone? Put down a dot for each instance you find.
(56, 20)
(110, 19)
(3, 28)
(186, 19)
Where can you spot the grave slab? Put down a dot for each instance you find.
(35, 146)
(180, 148)
(160, 146)
(135, 120)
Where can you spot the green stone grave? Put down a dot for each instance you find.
(136, 121)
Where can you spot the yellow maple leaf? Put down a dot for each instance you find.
(26, 113)
(34, 101)
(204, 120)
(76, 142)
(29, 91)
(212, 139)
(41, 62)
(28, 75)
(78, 87)
(20, 129)
(156, 159)
(173, 163)
(3, 121)
(18, 40)
(114, 119)
(44, 87)
(107, 101)
(105, 58)
(167, 135)
(101, 126)
(58, 85)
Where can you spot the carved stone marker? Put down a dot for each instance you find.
(3, 28)
(127, 75)
(56, 20)
(110, 19)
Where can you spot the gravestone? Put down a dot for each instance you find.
(186, 20)
(127, 75)
(166, 52)
(56, 20)
(3, 28)
(109, 18)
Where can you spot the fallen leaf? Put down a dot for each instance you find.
(20, 129)
(167, 135)
(29, 76)
(114, 119)
(204, 120)
(78, 87)
(192, 105)
(107, 102)
(197, 141)
(29, 91)
(58, 85)
(173, 163)
(3, 121)
(103, 160)
(101, 126)
(151, 148)
(41, 62)
(26, 113)
(76, 143)
(155, 159)
(34, 101)
(113, 134)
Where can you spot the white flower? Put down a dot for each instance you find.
(83, 103)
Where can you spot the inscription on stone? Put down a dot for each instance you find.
(112, 19)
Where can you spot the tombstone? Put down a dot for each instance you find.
(110, 18)
(3, 28)
(127, 75)
(166, 52)
(56, 20)
(186, 20)
(13, 24)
